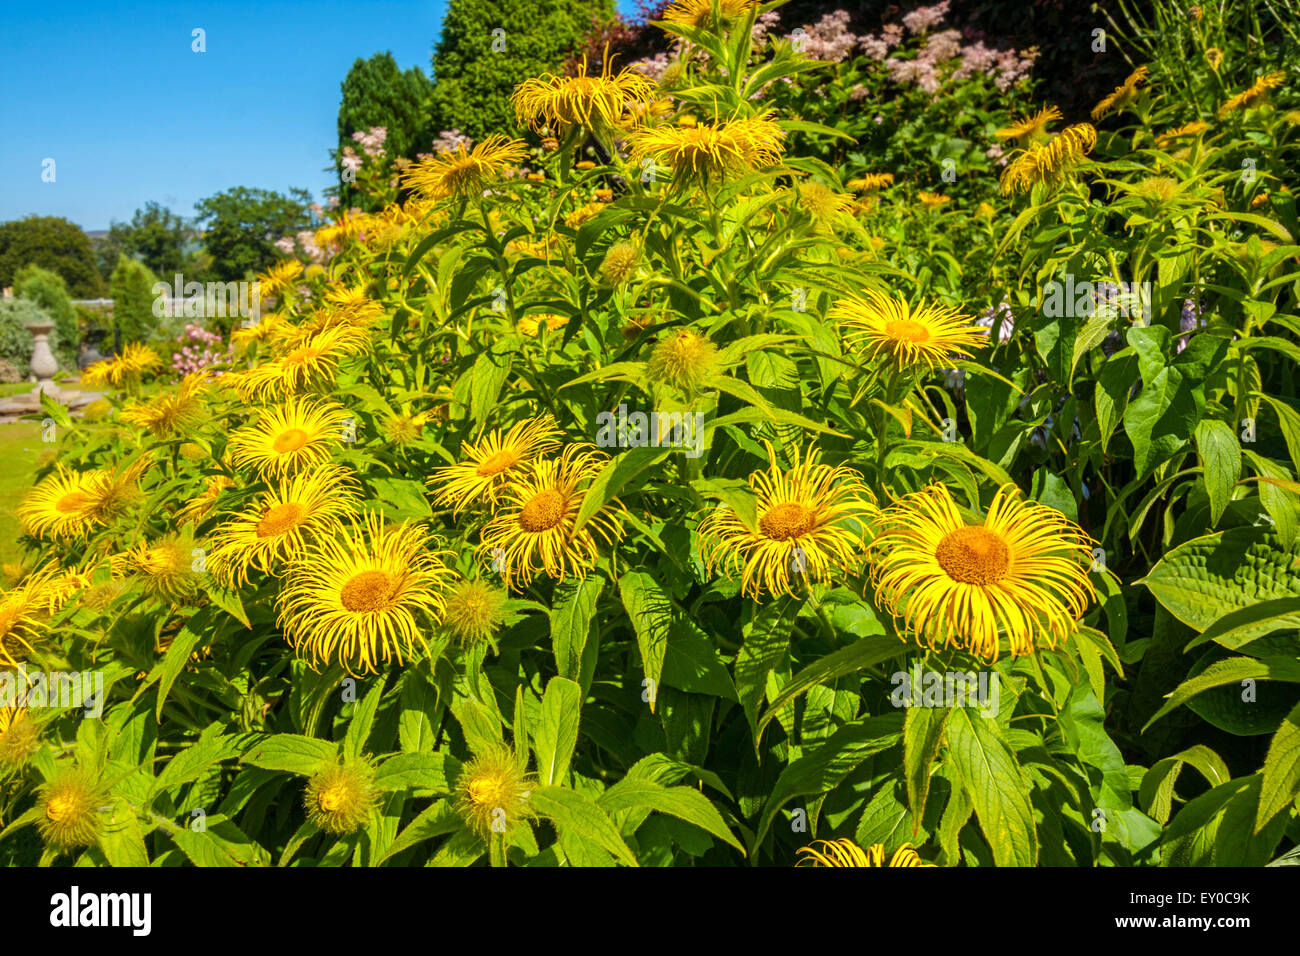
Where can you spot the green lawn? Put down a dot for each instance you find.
(20, 446)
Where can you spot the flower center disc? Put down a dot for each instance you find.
(279, 519)
(73, 501)
(786, 521)
(367, 591)
(973, 555)
(333, 798)
(486, 791)
(543, 511)
(290, 440)
(301, 356)
(905, 330)
(497, 463)
(59, 808)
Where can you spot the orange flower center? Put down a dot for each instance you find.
(333, 798)
(905, 330)
(543, 511)
(367, 591)
(974, 555)
(280, 518)
(73, 501)
(290, 440)
(486, 791)
(60, 808)
(301, 356)
(785, 521)
(497, 463)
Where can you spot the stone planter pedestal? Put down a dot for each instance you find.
(43, 363)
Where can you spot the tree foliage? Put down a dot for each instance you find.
(156, 236)
(377, 93)
(131, 288)
(48, 290)
(475, 69)
(241, 224)
(53, 243)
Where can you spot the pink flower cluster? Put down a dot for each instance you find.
(350, 160)
(372, 142)
(652, 68)
(200, 350)
(926, 18)
(448, 141)
(828, 39)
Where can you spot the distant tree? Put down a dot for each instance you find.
(156, 236)
(107, 249)
(240, 225)
(377, 93)
(55, 244)
(48, 290)
(473, 79)
(131, 288)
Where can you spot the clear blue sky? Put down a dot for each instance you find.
(113, 93)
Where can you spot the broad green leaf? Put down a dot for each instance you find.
(692, 663)
(682, 802)
(557, 730)
(1238, 628)
(291, 753)
(847, 660)
(650, 611)
(1281, 783)
(1234, 670)
(582, 819)
(363, 719)
(922, 731)
(575, 605)
(1220, 454)
(1218, 829)
(417, 771)
(1157, 790)
(767, 642)
(997, 788)
(614, 477)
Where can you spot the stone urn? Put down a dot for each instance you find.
(43, 363)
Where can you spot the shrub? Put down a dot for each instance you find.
(15, 340)
(132, 293)
(48, 290)
(53, 243)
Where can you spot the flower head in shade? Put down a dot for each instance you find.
(922, 336)
(166, 568)
(871, 182)
(810, 520)
(465, 172)
(282, 275)
(535, 527)
(1050, 162)
(20, 737)
(1255, 95)
(1021, 575)
(490, 463)
(847, 853)
(620, 263)
(1122, 95)
(363, 597)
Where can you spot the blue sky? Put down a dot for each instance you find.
(113, 93)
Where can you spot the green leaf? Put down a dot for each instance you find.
(692, 663)
(1238, 628)
(922, 731)
(363, 720)
(581, 819)
(1289, 420)
(767, 642)
(415, 730)
(191, 763)
(417, 771)
(1217, 829)
(1205, 578)
(557, 730)
(1156, 792)
(1220, 454)
(291, 753)
(1281, 782)
(650, 611)
(681, 802)
(174, 661)
(488, 374)
(996, 787)
(438, 819)
(219, 843)
(1114, 383)
(571, 624)
(613, 478)
(847, 660)
(1230, 671)
(735, 493)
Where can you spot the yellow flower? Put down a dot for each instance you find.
(339, 798)
(298, 434)
(275, 529)
(530, 325)
(1023, 573)
(465, 172)
(709, 150)
(1123, 95)
(489, 464)
(809, 526)
(1157, 189)
(493, 792)
(67, 810)
(197, 508)
(871, 182)
(1214, 58)
(1190, 129)
(699, 13)
(126, 369)
(475, 610)
(313, 364)
(166, 568)
(171, 411)
(404, 429)
(847, 853)
(683, 359)
(20, 737)
(280, 276)
(620, 263)
(1254, 96)
(822, 203)
(364, 597)
(932, 200)
(583, 214)
(926, 335)
(1030, 127)
(23, 613)
(1049, 162)
(71, 504)
(534, 529)
(985, 211)
(596, 102)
